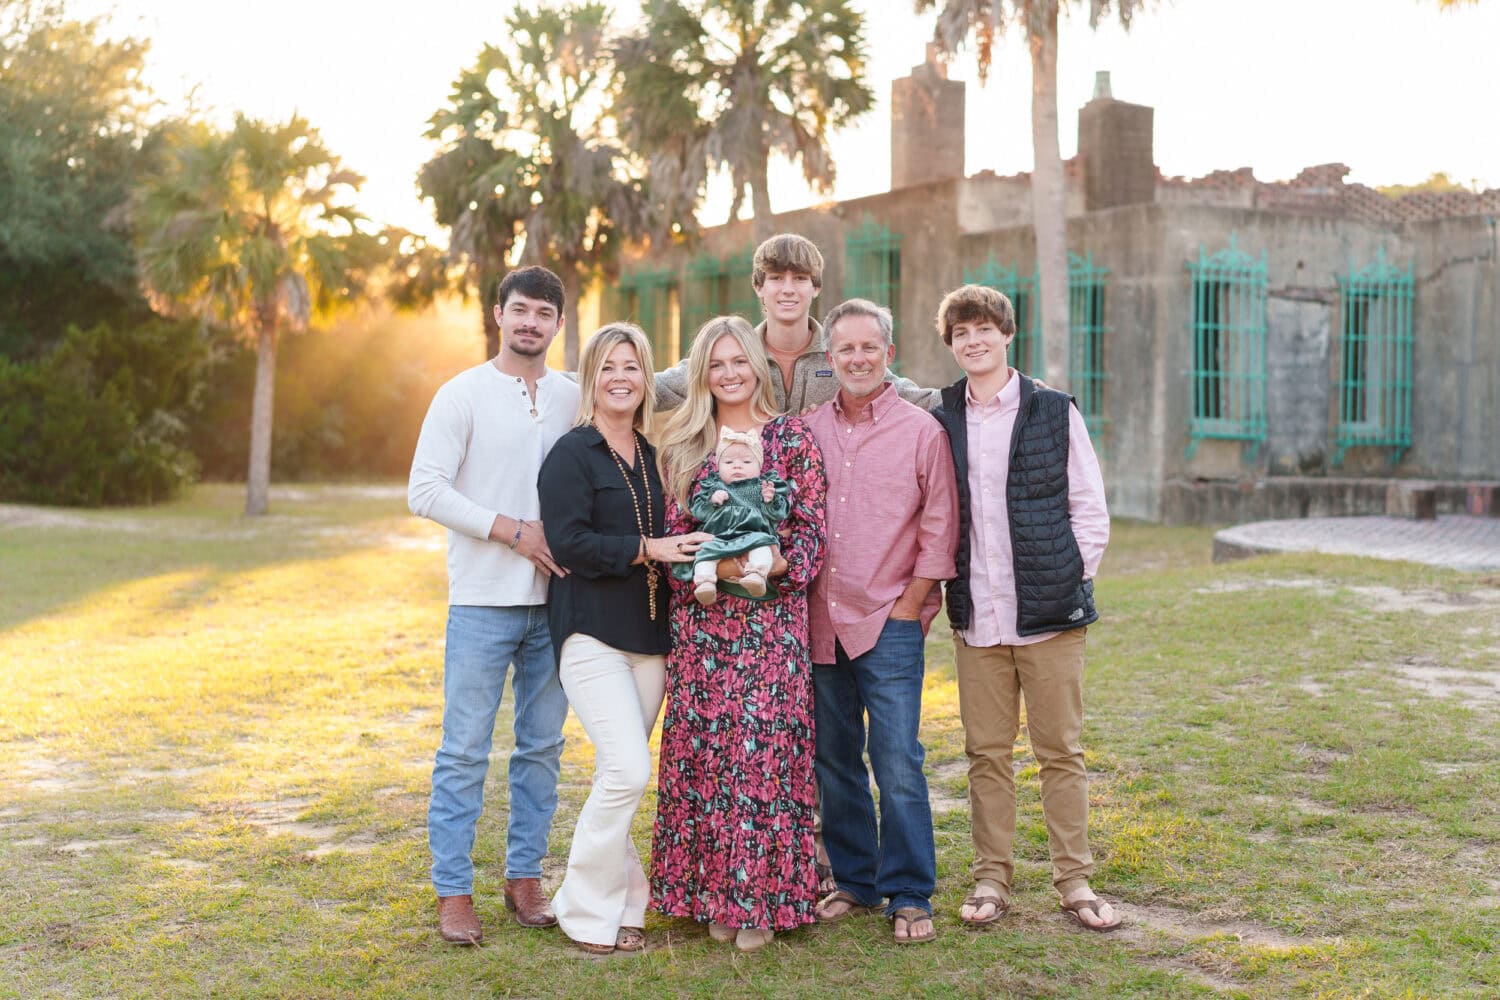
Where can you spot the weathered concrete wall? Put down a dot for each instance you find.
(927, 125)
(1456, 399)
(1148, 347)
(1298, 386)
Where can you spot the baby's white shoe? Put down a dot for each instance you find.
(754, 584)
(706, 592)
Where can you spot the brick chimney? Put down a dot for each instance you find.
(1115, 143)
(927, 125)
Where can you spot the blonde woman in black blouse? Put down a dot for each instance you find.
(602, 511)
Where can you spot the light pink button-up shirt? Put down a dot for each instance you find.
(892, 517)
(992, 575)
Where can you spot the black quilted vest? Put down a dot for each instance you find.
(1051, 593)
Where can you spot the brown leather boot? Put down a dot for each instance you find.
(531, 906)
(457, 921)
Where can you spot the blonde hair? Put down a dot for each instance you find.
(692, 430)
(605, 340)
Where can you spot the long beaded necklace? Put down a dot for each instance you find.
(635, 504)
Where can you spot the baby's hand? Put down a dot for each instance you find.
(767, 491)
(718, 497)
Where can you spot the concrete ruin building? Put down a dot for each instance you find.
(1241, 349)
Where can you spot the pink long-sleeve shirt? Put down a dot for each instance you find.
(992, 576)
(892, 517)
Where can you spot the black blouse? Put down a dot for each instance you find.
(590, 523)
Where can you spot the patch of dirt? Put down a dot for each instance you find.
(46, 774)
(1202, 977)
(1377, 598)
(1315, 688)
(1312, 807)
(1240, 586)
(164, 773)
(1427, 602)
(943, 778)
(1472, 688)
(89, 846)
(1185, 926)
(357, 844)
(1319, 761)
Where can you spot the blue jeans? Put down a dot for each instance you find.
(899, 861)
(483, 643)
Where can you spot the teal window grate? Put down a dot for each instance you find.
(1229, 347)
(739, 292)
(646, 299)
(1375, 358)
(1021, 290)
(1086, 337)
(872, 267)
(702, 295)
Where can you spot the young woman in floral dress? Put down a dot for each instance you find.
(733, 842)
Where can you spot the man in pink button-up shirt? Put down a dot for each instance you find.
(1033, 529)
(892, 530)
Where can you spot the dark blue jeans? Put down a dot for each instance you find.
(897, 862)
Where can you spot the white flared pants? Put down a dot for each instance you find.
(616, 695)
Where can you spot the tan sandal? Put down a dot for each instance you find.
(908, 915)
(1002, 907)
(1071, 911)
(838, 897)
(630, 939)
(594, 950)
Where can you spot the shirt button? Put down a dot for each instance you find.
(837, 535)
(841, 499)
(833, 569)
(833, 604)
(847, 464)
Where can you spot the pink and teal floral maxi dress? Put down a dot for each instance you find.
(733, 842)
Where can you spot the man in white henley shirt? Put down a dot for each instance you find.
(475, 472)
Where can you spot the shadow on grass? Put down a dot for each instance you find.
(52, 558)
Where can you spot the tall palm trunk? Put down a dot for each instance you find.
(258, 476)
(760, 196)
(487, 288)
(1049, 199)
(571, 333)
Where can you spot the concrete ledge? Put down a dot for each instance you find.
(1456, 541)
(1282, 497)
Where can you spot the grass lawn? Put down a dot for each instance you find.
(216, 739)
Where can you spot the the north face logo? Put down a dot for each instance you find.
(1077, 614)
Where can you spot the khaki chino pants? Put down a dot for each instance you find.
(992, 680)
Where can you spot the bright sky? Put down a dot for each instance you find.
(1394, 88)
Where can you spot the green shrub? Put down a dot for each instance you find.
(101, 419)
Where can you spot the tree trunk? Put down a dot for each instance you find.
(487, 289)
(258, 477)
(1049, 202)
(760, 198)
(572, 336)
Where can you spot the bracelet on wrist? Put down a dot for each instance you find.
(516, 539)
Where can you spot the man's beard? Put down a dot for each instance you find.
(526, 350)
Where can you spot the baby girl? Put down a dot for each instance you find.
(742, 509)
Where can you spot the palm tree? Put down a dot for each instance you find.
(251, 229)
(527, 160)
(723, 84)
(987, 21)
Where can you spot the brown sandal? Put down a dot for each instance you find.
(1002, 907)
(1071, 911)
(630, 939)
(594, 950)
(853, 907)
(910, 915)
